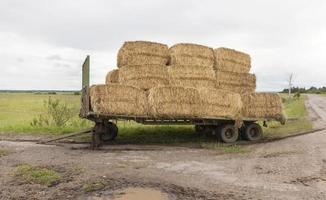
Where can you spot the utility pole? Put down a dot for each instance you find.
(290, 84)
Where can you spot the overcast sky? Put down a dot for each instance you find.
(43, 43)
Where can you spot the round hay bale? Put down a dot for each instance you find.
(191, 54)
(142, 53)
(173, 101)
(219, 103)
(262, 105)
(117, 99)
(112, 77)
(191, 76)
(144, 76)
(231, 60)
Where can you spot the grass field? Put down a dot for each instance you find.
(17, 111)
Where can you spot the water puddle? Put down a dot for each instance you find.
(141, 194)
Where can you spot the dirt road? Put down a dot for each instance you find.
(293, 168)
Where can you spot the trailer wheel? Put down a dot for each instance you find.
(228, 133)
(253, 132)
(200, 128)
(110, 132)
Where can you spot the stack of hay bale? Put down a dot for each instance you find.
(117, 99)
(191, 65)
(187, 80)
(262, 105)
(232, 73)
(142, 65)
(112, 77)
(192, 90)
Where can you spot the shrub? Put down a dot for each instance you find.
(297, 95)
(52, 93)
(56, 114)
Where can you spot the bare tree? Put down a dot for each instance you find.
(290, 84)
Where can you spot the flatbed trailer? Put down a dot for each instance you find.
(228, 130)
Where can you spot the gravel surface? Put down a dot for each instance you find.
(293, 168)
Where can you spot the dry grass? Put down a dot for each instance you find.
(231, 60)
(112, 77)
(142, 53)
(191, 54)
(144, 76)
(118, 99)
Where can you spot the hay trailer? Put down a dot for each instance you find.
(228, 130)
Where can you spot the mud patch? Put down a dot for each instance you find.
(261, 170)
(306, 181)
(279, 154)
(141, 194)
(116, 188)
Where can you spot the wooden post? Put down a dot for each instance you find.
(85, 103)
(85, 72)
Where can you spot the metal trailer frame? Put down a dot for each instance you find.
(87, 113)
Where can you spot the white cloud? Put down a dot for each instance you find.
(31, 64)
(44, 42)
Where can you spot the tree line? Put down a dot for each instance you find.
(311, 90)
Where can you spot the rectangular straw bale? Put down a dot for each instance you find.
(173, 101)
(236, 82)
(112, 77)
(219, 103)
(191, 54)
(144, 76)
(191, 76)
(142, 52)
(117, 99)
(231, 60)
(262, 105)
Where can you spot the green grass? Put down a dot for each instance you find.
(93, 186)
(37, 175)
(4, 152)
(298, 122)
(17, 111)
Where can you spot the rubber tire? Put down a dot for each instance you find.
(200, 128)
(224, 130)
(249, 135)
(110, 133)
